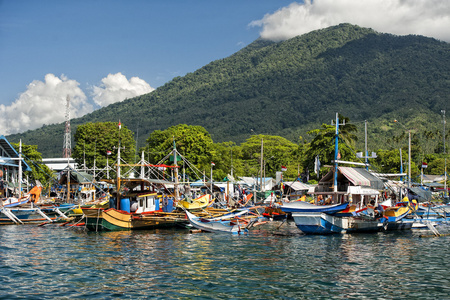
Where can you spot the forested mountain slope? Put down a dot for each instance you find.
(290, 87)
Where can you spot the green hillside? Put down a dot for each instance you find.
(290, 87)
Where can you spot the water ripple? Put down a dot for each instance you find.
(57, 262)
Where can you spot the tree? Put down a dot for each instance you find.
(323, 143)
(277, 152)
(39, 171)
(193, 142)
(95, 140)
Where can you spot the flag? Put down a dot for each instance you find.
(283, 169)
(108, 152)
(317, 165)
(213, 164)
(120, 125)
(424, 165)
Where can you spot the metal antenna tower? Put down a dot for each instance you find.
(67, 147)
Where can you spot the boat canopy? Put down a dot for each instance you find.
(419, 194)
(297, 186)
(361, 177)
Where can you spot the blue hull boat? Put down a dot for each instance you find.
(300, 206)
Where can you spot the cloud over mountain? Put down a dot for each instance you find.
(116, 88)
(44, 102)
(423, 17)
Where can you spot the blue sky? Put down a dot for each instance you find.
(100, 52)
(87, 40)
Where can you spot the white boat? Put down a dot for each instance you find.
(323, 223)
(224, 224)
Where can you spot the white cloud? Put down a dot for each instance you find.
(116, 88)
(43, 103)
(423, 17)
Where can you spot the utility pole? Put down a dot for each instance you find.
(365, 145)
(443, 133)
(445, 158)
(67, 148)
(409, 152)
(336, 154)
(262, 161)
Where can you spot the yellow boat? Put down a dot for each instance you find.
(79, 209)
(198, 203)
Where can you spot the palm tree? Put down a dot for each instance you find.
(324, 140)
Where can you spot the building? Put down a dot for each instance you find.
(59, 164)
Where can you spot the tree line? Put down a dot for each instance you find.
(97, 143)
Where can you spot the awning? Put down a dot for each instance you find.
(297, 186)
(354, 176)
(421, 194)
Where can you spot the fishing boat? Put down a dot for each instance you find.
(228, 223)
(139, 208)
(323, 223)
(16, 201)
(26, 215)
(196, 204)
(393, 218)
(301, 206)
(148, 211)
(274, 213)
(33, 196)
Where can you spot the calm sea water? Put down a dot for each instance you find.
(55, 262)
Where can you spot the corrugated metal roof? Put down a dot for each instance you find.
(297, 185)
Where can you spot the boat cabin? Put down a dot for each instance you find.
(355, 185)
(142, 196)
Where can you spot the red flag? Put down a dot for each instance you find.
(108, 152)
(283, 169)
(120, 125)
(213, 164)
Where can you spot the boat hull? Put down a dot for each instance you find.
(300, 206)
(98, 219)
(216, 226)
(321, 223)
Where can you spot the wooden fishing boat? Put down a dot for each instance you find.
(98, 219)
(195, 204)
(22, 215)
(229, 223)
(147, 211)
(78, 210)
(16, 201)
(323, 223)
(301, 206)
(274, 213)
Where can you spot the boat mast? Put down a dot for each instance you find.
(365, 145)
(262, 161)
(336, 155)
(20, 169)
(175, 163)
(336, 152)
(445, 158)
(118, 172)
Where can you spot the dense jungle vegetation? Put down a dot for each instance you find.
(96, 142)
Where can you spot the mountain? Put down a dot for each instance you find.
(287, 88)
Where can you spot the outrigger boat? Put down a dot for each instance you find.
(140, 208)
(228, 223)
(301, 206)
(196, 204)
